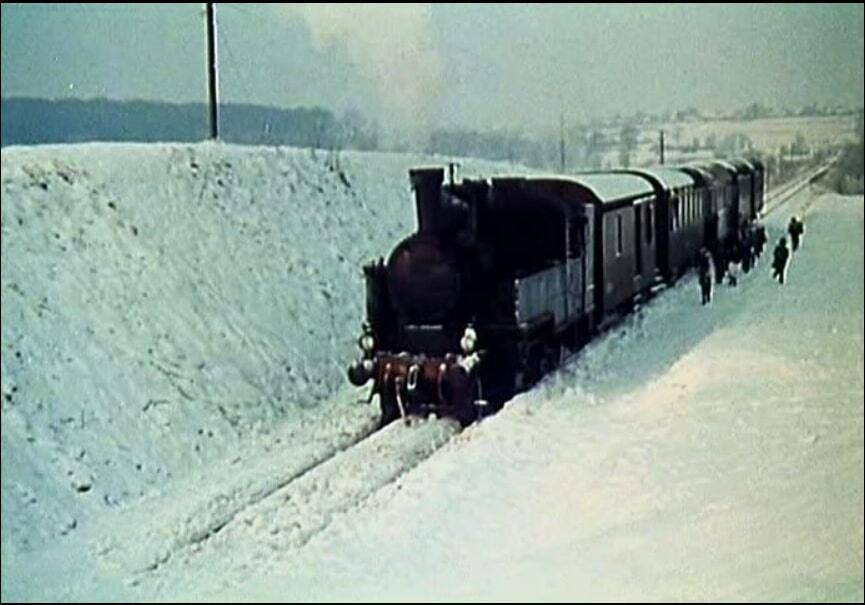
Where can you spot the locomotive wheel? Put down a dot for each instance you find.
(467, 415)
(389, 410)
(470, 413)
(542, 359)
(533, 366)
(550, 360)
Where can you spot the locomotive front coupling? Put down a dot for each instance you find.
(419, 384)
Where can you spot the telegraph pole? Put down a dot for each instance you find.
(212, 84)
(562, 141)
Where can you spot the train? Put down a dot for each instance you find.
(506, 277)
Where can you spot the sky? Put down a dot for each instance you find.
(445, 65)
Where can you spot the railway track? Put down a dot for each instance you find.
(280, 498)
(781, 195)
(283, 511)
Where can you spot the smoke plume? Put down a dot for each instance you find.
(389, 44)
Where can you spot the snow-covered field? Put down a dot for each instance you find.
(767, 135)
(690, 453)
(770, 134)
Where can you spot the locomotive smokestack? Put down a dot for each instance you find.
(427, 185)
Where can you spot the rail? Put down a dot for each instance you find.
(781, 196)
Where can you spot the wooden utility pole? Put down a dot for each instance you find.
(452, 171)
(212, 84)
(562, 141)
(662, 148)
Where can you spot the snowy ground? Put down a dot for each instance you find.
(691, 453)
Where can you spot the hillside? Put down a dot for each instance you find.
(167, 306)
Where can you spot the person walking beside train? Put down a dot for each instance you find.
(704, 262)
(747, 249)
(733, 263)
(721, 263)
(779, 263)
(796, 229)
(760, 240)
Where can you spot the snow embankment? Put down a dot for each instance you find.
(174, 312)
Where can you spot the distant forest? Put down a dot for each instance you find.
(29, 121)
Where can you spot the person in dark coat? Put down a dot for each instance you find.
(722, 263)
(734, 263)
(796, 228)
(779, 263)
(760, 240)
(747, 249)
(705, 266)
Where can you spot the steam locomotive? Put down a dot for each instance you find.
(506, 277)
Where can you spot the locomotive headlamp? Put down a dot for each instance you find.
(366, 343)
(469, 340)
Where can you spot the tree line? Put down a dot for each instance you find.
(30, 121)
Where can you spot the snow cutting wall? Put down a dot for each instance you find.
(163, 304)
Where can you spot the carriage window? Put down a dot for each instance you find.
(620, 239)
(677, 213)
(650, 230)
(685, 208)
(690, 206)
(576, 228)
(693, 206)
(670, 215)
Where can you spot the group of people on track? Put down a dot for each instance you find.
(751, 244)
